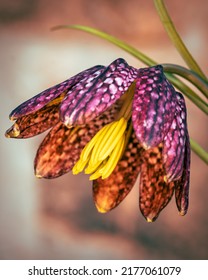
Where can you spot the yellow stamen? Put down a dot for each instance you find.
(88, 148)
(109, 140)
(57, 100)
(92, 167)
(104, 150)
(127, 105)
(165, 178)
(113, 159)
(79, 166)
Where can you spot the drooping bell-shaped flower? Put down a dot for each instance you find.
(113, 122)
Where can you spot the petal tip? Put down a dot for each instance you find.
(101, 209)
(38, 176)
(13, 132)
(12, 118)
(182, 213)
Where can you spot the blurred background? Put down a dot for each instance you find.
(56, 219)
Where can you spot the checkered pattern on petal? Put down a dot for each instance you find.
(153, 106)
(96, 93)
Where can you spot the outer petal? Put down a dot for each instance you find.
(174, 142)
(35, 123)
(93, 95)
(110, 192)
(182, 186)
(153, 106)
(155, 193)
(40, 100)
(62, 147)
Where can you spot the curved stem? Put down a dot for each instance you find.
(188, 75)
(133, 51)
(199, 150)
(175, 38)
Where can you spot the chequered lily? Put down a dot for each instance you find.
(113, 122)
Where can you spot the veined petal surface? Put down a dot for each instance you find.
(175, 141)
(153, 106)
(96, 93)
(40, 100)
(155, 192)
(34, 123)
(182, 185)
(110, 192)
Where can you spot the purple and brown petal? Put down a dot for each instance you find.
(110, 192)
(93, 95)
(40, 100)
(35, 123)
(62, 146)
(182, 185)
(155, 192)
(174, 142)
(153, 106)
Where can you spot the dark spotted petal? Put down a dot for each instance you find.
(93, 95)
(62, 147)
(35, 123)
(174, 142)
(155, 193)
(60, 150)
(110, 192)
(182, 186)
(153, 106)
(40, 100)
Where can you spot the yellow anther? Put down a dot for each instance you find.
(79, 166)
(109, 140)
(95, 175)
(88, 148)
(92, 168)
(113, 159)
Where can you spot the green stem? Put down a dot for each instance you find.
(133, 51)
(188, 75)
(175, 38)
(199, 151)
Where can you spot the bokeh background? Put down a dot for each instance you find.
(56, 219)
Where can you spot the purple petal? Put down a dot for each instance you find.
(93, 95)
(40, 100)
(174, 142)
(182, 186)
(153, 106)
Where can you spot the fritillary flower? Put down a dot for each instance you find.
(115, 123)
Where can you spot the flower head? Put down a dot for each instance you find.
(113, 122)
